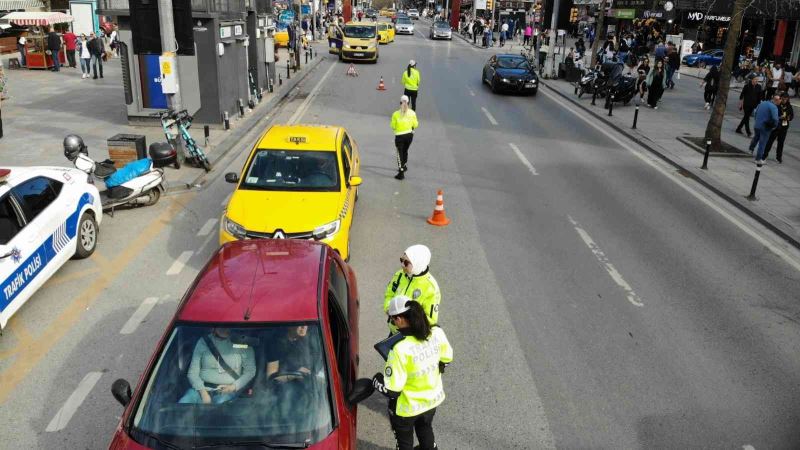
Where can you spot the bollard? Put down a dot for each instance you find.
(241, 108)
(611, 105)
(635, 116)
(576, 89)
(280, 80)
(227, 120)
(288, 73)
(306, 56)
(206, 133)
(271, 84)
(705, 155)
(752, 197)
(594, 95)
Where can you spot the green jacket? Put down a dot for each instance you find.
(423, 288)
(411, 82)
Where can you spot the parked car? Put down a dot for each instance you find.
(510, 73)
(704, 59)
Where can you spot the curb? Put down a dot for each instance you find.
(689, 173)
(256, 115)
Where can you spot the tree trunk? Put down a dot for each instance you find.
(714, 127)
(598, 34)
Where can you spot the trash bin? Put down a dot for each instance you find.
(124, 148)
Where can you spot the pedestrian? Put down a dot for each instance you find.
(622, 53)
(97, 51)
(114, 38)
(748, 101)
(786, 113)
(21, 44)
(85, 56)
(580, 47)
(404, 122)
(490, 27)
(711, 83)
(529, 32)
(775, 77)
(54, 47)
(415, 281)
(412, 375)
(487, 37)
(503, 34)
(411, 80)
(661, 50)
(766, 121)
(641, 84)
(69, 45)
(673, 64)
(510, 30)
(656, 82)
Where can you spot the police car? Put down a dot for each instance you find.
(47, 216)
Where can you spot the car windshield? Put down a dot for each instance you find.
(292, 170)
(359, 31)
(279, 392)
(412, 10)
(441, 25)
(404, 21)
(382, 27)
(513, 63)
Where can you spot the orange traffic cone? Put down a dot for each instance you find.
(439, 218)
(381, 86)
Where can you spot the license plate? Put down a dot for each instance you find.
(530, 85)
(358, 54)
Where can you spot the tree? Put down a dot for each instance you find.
(599, 32)
(714, 127)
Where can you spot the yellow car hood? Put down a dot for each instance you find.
(359, 42)
(292, 212)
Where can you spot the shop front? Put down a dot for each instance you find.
(37, 56)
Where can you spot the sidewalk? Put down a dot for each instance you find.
(44, 106)
(681, 114)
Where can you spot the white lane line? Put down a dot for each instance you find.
(62, 417)
(471, 92)
(489, 115)
(207, 227)
(748, 447)
(207, 240)
(307, 102)
(672, 175)
(603, 260)
(179, 263)
(522, 158)
(138, 315)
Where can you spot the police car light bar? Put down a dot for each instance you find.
(4, 173)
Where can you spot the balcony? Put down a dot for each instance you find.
(227, 9)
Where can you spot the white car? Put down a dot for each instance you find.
(413, 13)
(47, 216)
(404, 26)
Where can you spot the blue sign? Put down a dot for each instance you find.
(286, 16)
(152, 95)
(305, 9)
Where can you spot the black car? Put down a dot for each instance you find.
(510, 73)
(372, 14)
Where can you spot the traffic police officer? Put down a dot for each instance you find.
(412, 376)
(404, 122)
(415, 281)
(411, 83)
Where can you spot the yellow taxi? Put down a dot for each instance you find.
(386, 33)
(387, 12)
(360, 42)
(299, 182)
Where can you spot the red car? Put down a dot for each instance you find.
(262, 353)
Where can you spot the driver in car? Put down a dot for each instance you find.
(319, 172)
(292, 358)
(219, 368)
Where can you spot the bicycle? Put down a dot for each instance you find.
(183, 120)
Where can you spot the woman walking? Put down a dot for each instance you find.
(711, 82)
(412, 375)
(85, 56)
(656, 82)
(528, 33)
(411, 83)
(404, 122)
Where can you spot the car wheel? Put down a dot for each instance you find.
(493, 85)
(87, 236)
(701, 64)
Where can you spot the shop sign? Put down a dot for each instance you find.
(699, 16)
(225, 32)
(238, 30)
(480, 4)
(624, 13)
(653, 14)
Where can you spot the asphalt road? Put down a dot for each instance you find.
(594, 298)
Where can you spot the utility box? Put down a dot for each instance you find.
(124, 148)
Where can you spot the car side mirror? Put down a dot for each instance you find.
(355, 181)
(121, 390)
(231, 177)
(362, 389)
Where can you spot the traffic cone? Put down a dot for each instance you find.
(439, 218)
(381, 86)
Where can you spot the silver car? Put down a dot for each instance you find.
(413, 13)
(404, 26)
(441, 30)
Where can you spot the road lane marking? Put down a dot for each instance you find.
(301, 110)
(748, 447)
(141, 312)
(63, 416)
(633, 298)
(522, 158)
(672, 175)
(180, 262)
(489, 115)
(207, 227)
(471, 92)
(40, 346)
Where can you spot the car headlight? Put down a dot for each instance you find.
(327, 230)
(234, 229)
(505, 80)
(372, 45)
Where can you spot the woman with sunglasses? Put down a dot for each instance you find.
(415, 281)
(412, 376)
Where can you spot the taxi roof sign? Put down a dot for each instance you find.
(4, 173)
(298, 139)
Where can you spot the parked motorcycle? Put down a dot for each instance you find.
(140, 182)
(592, 81)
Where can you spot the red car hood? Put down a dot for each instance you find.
(122, 441)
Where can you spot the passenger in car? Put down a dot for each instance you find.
(219, 369)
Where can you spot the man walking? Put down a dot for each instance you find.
(786, 115)
(97, 50)
(21, 42)
(673, 64)
(69, 44)
(766, 121)
(54, 46)
(748, 100)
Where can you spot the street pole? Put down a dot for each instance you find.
(551, 54)
(166, 23)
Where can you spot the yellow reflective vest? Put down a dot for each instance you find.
(421, 288)
(411, 82)
(412, 368)
(404, 123)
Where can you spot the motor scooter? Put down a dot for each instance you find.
(144, 189)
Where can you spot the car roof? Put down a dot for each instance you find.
(509, 55)
(371, 24)
(20, 173)
(317, 137)
(271, 280)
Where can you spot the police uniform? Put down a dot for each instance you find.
(420, 286)
(403, 126)
(411, 79)
(412, 380)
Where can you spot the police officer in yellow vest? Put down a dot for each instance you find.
(412, 376)
(414, 280)
(404, 122)
(411, 83)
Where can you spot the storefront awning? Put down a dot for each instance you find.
(11, 5)
(37, 18)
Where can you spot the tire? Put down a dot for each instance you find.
(154, 195)
(87, 236)
(493, 85)
(206, 165)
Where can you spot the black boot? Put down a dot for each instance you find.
(399, 175)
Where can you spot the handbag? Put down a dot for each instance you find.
(48, 52)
